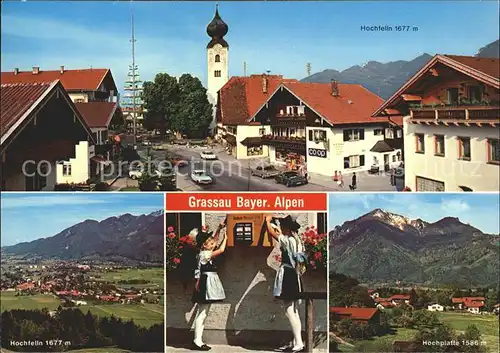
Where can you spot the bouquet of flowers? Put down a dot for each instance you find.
(316, 247)
(175, 247)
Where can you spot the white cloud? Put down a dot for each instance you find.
(49, 200)
(454, 206)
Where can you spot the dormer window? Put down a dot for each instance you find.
(217, 58)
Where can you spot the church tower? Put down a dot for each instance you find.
(217, 59)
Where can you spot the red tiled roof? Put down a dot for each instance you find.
(242, 97)
(97, 114)
(354, 104)
(465, 299)
(486, 70)
(386, 304)
(17, 99)
(400, 297)
(83, 79)
(489, 66)
(355, 313)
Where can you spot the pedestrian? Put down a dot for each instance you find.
(208, 287)
(335, 176)
(353, 185)
(288, 281)
(340, 180)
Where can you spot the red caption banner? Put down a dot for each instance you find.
(245, 202)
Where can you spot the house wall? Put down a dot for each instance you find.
(80, 165)
(249, 313)
(449, 78)
(80, 95)
(99, 131)
(214, 84)
(337, 149)
(244, 131)
(476, 174)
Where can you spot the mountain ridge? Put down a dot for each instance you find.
(384, 79)
(381, 246)
(129, 237)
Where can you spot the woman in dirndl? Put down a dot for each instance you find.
(288, 283)
(208, 288)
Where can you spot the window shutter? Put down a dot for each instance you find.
(362, 160)
(346, 135)
(361, 134)
(346, 163)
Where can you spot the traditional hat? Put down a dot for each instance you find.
(200, 236)
(290, 222)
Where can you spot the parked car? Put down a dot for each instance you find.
(179, 162)
(137, 171)
(267, 171)
(158, 147)
(208, 155)
(290, 179)
(146, 143)
(199, 176)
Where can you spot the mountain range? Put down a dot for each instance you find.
(385, 247)
(125, 237)
(384, 79)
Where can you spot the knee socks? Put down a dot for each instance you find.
(199, 324)
(292, 314)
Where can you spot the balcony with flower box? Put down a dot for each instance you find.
(298, 142)
(463, 114)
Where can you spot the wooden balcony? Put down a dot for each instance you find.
(282, 141)
(465, 115)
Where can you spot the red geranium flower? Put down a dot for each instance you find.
(318, 255)
(170, 229)
(171, 235)
(176, 260)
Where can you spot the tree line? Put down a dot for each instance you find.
(76, 330)
(180, 105)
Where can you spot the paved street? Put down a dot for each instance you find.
(231, 349)
(234, 175)
(229, 174)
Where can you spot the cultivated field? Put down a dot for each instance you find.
(28, 302)
(377, 343)
(154, 275)
(487, 324)
(142, 314)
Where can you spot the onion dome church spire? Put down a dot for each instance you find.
(217, 29)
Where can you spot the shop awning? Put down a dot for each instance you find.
(252, 141)
(100, 160)
(383, 147)
(230, 139)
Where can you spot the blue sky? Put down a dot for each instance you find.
(480, 210)
(277, 36)
(27, 217)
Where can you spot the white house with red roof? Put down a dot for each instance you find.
(471, 304)
(45, 140)
(451, 110)
(95, 94)
(325, 127)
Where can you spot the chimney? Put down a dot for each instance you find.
(36, 70)
(16, 71)
(62, 69)
(264, 83)
(335, 88)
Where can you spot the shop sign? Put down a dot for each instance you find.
(316, 152)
